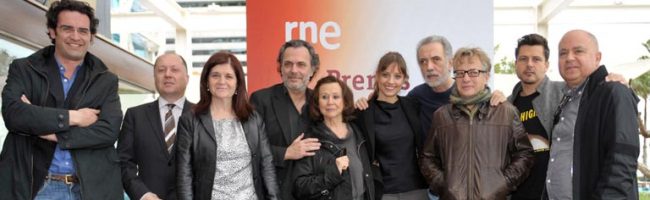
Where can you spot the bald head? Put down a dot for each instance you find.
(582, 33)
(578, 56)
(170, 55)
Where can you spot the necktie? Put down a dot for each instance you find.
(170, 128)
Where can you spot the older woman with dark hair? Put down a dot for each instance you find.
(222, 150)
(340, 169)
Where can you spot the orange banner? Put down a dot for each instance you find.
(351, 36)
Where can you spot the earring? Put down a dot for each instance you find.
(208, 89)
(235, 92)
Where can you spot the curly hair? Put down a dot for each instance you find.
(57, 7)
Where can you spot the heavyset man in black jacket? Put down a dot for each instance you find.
(605, 132)
(62, 111)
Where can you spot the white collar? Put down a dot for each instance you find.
(162, 102)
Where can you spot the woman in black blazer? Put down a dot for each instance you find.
(392, 127)
(222, 150)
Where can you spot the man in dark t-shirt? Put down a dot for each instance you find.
(434, 60)
(534, 184)
(536, 98)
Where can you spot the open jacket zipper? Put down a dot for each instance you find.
(76, 106)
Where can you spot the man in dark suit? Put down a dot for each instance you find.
(146, 143)
(285, 106)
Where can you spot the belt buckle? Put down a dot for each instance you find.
(68, 179)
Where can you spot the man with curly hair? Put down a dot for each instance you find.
(63, 114)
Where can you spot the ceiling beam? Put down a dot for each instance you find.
(32, 31)
(549, 9)
(168, 10)
(139, 22)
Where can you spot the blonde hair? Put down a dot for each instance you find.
(468, 52)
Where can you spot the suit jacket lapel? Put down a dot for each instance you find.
(187, 106)
(251, 137)
(206, 121)
(281, 111)
(153, 116)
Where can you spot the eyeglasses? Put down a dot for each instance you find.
(470, 73)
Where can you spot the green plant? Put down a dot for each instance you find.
(644, 196)
(647, 47)
(505, 65)
(641, 86)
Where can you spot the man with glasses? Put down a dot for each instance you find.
(474, 150)
(62, 111)
(595, 139)
(434, 59)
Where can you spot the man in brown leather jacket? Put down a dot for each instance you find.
(474, 150)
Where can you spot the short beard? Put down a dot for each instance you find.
(441, 79)
(302, 87)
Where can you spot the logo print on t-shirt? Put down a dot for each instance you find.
(540, 144)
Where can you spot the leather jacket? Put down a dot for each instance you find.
(484, 156)
(196, 157)
(317, 177)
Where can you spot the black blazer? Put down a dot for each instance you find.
(196, 149)
(146, 164)
(366, 122)
(269, 103)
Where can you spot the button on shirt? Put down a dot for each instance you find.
(559, 180)
(176, 111)
(62, 161)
